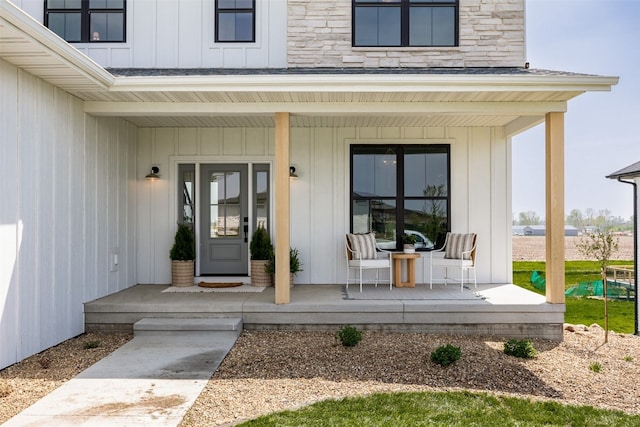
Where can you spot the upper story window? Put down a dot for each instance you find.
(235, 20)
(405, 22)
(82, 21)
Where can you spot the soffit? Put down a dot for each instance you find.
(468, 97)
(324, 121)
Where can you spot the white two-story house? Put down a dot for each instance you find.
(391, 112)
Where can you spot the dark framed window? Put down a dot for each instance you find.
(235, 21)
(421, 23)
(397, 189)
(87, 21)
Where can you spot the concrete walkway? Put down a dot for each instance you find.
(151, 381)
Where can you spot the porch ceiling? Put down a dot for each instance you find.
(515, 98)
(424, 105)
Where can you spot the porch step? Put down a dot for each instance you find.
(152, 326)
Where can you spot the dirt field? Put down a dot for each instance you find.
(532, 248)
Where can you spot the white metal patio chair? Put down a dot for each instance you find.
(458, 252)
(363, 254)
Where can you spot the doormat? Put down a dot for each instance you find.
(219, 285)
(195, 288)
(420, 292)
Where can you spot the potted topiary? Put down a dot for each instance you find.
(182, 254)
(408, 241)
(261, 250)
(295, 266)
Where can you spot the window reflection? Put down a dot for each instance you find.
(374, 173)
(107, 27)
(188, 197)
(405, 23)
(262, 199)
(417, 204)
(377, 26)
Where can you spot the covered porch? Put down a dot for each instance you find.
(503, 310)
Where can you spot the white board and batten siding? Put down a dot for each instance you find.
(180, 34)
(480, 176)
(67, 203)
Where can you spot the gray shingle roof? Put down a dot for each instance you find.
(630, 171)
(503, 71)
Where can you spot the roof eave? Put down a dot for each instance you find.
(53, 45)
(366, 83)
(631, 171)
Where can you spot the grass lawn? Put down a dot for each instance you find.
(443, 409)
(582, 310)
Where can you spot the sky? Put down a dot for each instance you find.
(601, 128)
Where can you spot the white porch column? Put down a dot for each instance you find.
(281, 174)
(554, 154)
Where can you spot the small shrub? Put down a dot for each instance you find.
(520, 348)
(91, 344)
(446, 354)
(627, 358)
(349, 336)
(595, 367)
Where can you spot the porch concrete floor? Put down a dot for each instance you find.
(505, 310)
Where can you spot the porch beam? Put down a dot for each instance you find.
(105, 108)
(282, 202)
(521, 124)
(554, 164)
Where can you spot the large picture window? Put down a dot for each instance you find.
(405, 22)
(86, 21)
(397, 189)
(235, 20)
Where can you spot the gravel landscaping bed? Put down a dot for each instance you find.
(26, 382)
(272, 371)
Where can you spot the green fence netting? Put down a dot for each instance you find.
(538, 281)
(587, 289)
(595, 288)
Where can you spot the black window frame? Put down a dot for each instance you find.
(219, 11)
(405, 7)
(85, 20)
(400, 198)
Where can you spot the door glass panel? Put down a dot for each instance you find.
(262, 199)
(224, 193)
(187, 175)
(232, 220)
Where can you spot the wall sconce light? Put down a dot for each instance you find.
(292, 172)
(153, 175)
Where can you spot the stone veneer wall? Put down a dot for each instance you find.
(491, 34)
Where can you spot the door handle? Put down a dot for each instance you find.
(246, 232)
